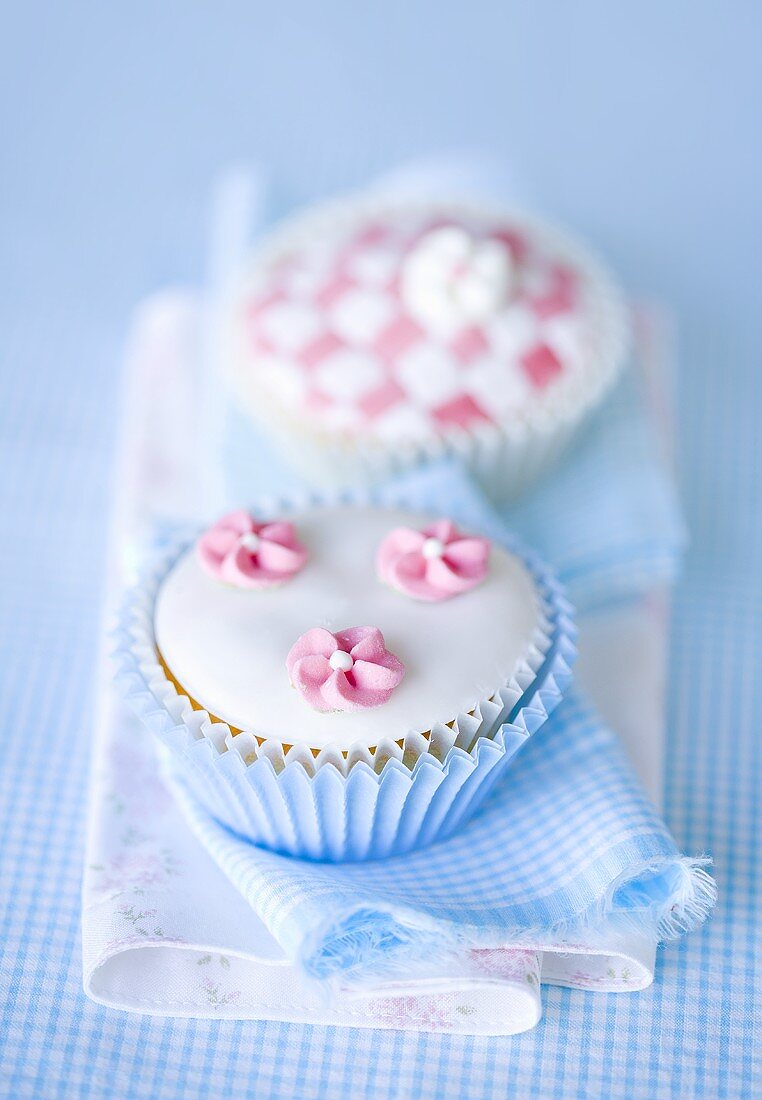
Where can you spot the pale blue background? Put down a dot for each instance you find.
(638, 124)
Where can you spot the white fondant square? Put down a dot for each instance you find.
(429, 374)
(564, 336)
(500, 388)
(286, 381)
(308, 279)
(402, 421)
(358, 316)
(339, 417)
(292, 325)
(347, 374)
(513, 331)
(373, 266)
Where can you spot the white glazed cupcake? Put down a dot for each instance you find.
(322, 673)
(370, 334)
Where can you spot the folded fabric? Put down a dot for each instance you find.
(567, 849)
(164, 930)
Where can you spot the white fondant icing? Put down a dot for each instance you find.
(228, 647)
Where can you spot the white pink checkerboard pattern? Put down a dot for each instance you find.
(328, 335)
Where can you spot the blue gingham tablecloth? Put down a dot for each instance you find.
(690, 1034)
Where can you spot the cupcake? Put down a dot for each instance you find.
(370, 334)
(346, 679)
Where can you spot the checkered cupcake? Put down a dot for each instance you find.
(370, 335)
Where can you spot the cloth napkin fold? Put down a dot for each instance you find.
(566, 849)
(567, 875)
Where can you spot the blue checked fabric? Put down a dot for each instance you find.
(566, 845)
(693, 1033)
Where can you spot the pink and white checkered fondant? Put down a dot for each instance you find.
(328, 333)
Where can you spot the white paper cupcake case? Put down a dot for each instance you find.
(506, 457)
(365, 804)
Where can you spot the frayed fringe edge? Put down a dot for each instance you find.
(687, 904)
(695, 899)
(374, 944)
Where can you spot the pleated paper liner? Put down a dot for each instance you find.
(364, 803)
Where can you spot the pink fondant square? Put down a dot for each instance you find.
(374, 234)
(393, 287)
(383, 397)
(319, 349)
(513, 241)
(541, 365)
(397, 337)
(331, 291)
(468, 345)
(560, 295)
(462, 410)
(549, 305)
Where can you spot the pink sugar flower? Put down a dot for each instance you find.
(247, 554)
(349, 670)
(434, 564)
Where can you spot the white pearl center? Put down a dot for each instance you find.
(341, 661)
(250, 541)
(433, 548)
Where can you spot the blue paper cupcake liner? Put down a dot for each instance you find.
(362, 803)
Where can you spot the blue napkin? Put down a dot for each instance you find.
(568, 847)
